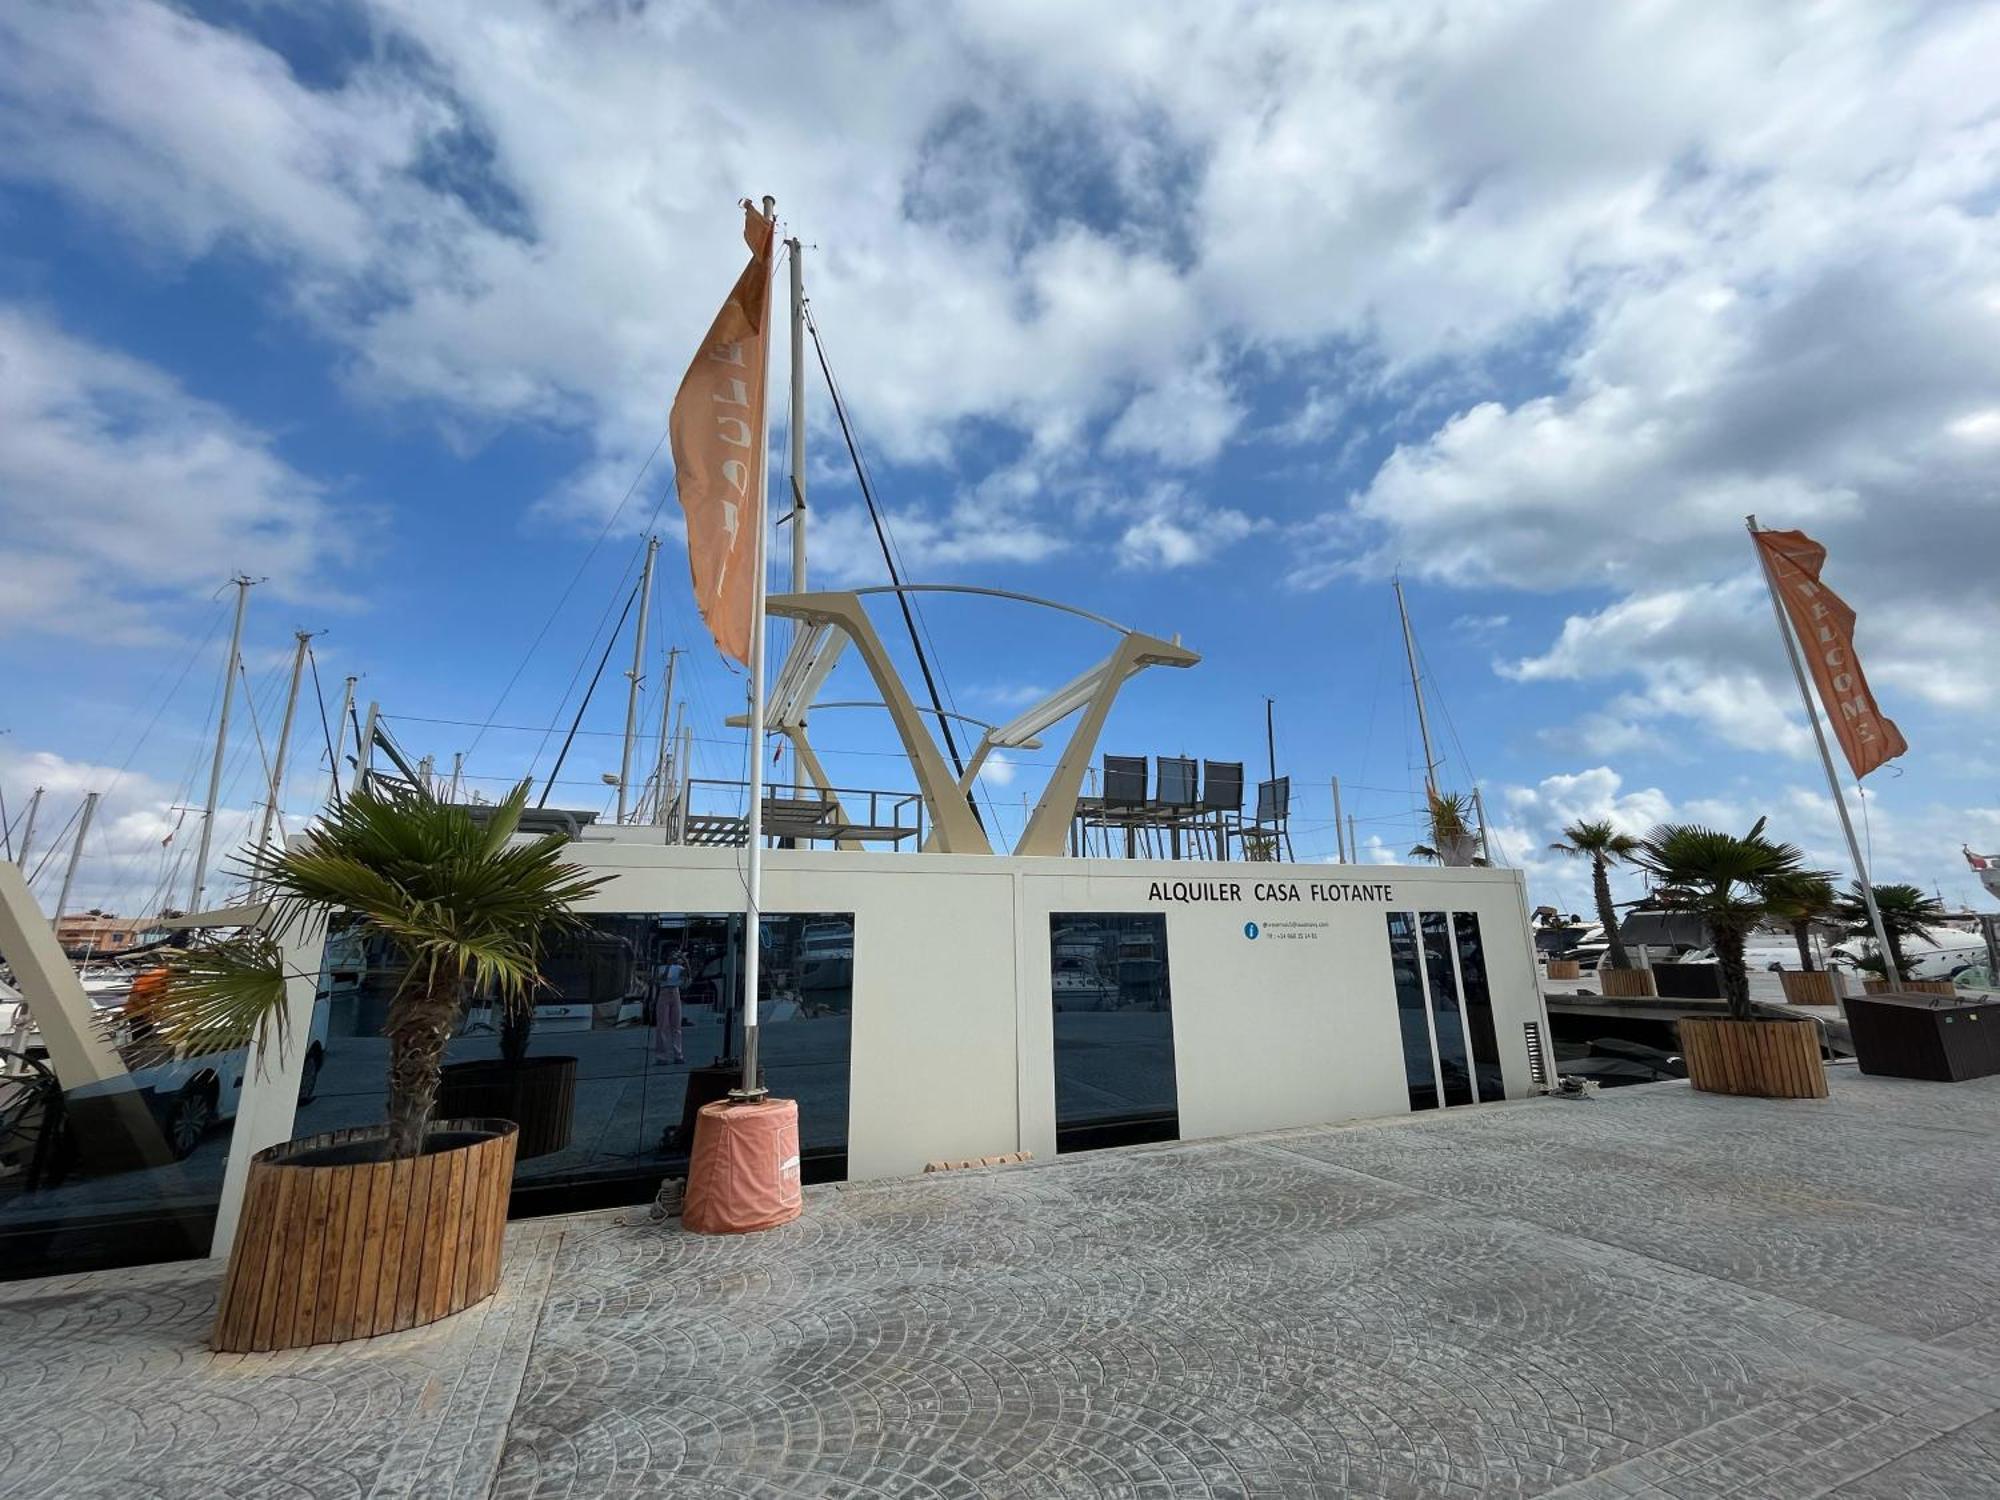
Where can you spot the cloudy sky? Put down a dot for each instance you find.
(1205, 317)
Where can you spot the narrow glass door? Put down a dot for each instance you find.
(1114, 1030)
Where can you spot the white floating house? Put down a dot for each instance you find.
(923, 995)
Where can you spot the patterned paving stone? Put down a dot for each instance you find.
(1651, 1294)
(108, 1389)
(1881, 1207)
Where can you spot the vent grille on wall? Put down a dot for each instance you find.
(1538, 1063)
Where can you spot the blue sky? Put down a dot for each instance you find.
(1206, 318)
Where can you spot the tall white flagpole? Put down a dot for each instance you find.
(753, 885)
(1826, 760)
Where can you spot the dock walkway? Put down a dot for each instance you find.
(1649, 1293)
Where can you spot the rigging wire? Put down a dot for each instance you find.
(595, 677)
(634, 564)
(575, 578)
(325, 726)
(216, 616)
(54, 844)
(257, 730)
(888, 556)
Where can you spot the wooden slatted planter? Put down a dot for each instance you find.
(1910, 987)
(1763, 1059)
(333, 1245)
(1817, 988)
(1625, 984)
(1565, 968)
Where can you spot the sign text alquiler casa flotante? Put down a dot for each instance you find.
(1188, 891)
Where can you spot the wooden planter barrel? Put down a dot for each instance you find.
(1910, 987)
(537, 1093)
(325, 1253)
(1816, 988)
(1565, 968)
(1763, 1059)
(1625, 984)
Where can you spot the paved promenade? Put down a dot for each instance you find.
(1652, 1293)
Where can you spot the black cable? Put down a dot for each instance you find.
(570, 738)
(895, 577)
(575, 578)
(54, 844)
(325, 726)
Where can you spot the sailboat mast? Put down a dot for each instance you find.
(798, 438)
(666, 752)
(1417, 691)
(243, 587)
(340, 737)
(284, 741)
(75, 856)
(798, 423)
(28, 828)
(638, 666)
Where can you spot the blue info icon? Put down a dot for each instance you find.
(1250, 929)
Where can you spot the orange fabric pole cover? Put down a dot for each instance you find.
(744, 1173)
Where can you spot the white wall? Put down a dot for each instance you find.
(933, 1034)
(953, 1032)
(1296, 1026)
(953, 1051)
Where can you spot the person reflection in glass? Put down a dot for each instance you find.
(669, 978)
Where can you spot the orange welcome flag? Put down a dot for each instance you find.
(717, 426)
(1825, 627)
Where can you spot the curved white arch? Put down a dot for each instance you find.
(1017, 597)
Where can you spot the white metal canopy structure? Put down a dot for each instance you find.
(830, 621)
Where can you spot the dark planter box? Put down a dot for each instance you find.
(1924, 1036)
(538, 1094)
(1688, 981)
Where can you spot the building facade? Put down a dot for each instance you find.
(919, 1007)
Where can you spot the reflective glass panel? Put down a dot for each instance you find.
(1411, 1015)
(1114, 1030)
(1450, 1025)
(1478, 1006)
(639, 1024)
(112, 1147)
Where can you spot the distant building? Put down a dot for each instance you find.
(104, 933)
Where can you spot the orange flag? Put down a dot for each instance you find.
(1825, 627)
(718, 435)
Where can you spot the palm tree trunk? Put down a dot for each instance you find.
(1802, 935)
(420, 1025)
(1607, 914)
(1735, 977)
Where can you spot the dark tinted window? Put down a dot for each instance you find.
(1450, 1024)
(1478, 1006)
(641, 1023)
(1114, 1030)
(1410, 1011)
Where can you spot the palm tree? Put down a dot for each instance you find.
(1799, 901)
(1906, 913)
(1724, 880)
(1452, 840)
(1604, 846)
(468, 907)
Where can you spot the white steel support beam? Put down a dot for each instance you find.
(1048, 827)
